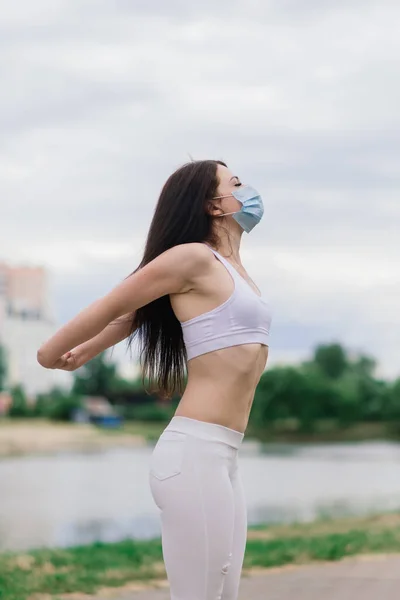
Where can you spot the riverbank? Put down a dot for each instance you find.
(133, 565)
(20, 437)
(324, 431)
(27, 436)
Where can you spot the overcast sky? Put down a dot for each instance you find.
(101, 100)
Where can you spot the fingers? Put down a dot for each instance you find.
(70, 363)
(67, 362)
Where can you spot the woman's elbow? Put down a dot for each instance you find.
(41, 358)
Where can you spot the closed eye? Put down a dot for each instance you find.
(238, 184)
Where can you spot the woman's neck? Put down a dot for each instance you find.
(229, 244)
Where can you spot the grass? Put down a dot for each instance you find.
(57, 573)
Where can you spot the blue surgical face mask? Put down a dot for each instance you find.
(252, 208)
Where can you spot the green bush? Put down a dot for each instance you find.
(57, 405)
(149, 412)
(19, 406)
(392, 401)
(3, 368)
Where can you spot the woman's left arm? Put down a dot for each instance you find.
(85, 326)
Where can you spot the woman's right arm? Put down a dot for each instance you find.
(197, 257)
(174, 271)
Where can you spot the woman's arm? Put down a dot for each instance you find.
(114, 333)
(172, 272)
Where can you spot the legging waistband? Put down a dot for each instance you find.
(205, 430)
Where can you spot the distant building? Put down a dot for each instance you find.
(26, 321)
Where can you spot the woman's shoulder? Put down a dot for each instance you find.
(196, 251)
(194, 257)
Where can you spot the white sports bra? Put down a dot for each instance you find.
(244, 318)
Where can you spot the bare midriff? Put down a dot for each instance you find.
(221, 385)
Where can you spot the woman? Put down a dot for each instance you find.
(193, 307)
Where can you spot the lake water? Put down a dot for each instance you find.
(69, 499)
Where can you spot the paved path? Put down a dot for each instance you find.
(363, 578)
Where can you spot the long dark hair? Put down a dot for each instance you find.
(180, 217)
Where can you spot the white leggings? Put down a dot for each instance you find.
(195, 482)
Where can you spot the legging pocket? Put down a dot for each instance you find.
(167, 457)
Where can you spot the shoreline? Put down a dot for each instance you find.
(131, 565)
(41, 437)
(27, 437)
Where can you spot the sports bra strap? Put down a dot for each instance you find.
(225, 262)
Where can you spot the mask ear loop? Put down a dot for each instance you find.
(226, 214)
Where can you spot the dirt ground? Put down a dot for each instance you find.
(369, 577)
(42, 437)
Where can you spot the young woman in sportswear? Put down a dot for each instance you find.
(195, 311)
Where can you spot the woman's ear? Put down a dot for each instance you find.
(213, 208)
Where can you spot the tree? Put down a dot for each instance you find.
(96, 378)
(372, 395)
(348, 408)
(392, 404)
(19, 406)
(364, 365)
(290, 392)
(3, 368)
(331, 359)
(57, 404)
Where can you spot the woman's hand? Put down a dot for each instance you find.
(171, 272)
(114, 333)
(67, 362)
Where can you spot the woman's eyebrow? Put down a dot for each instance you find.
(234, 177)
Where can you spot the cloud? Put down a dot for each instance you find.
(101, 101)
